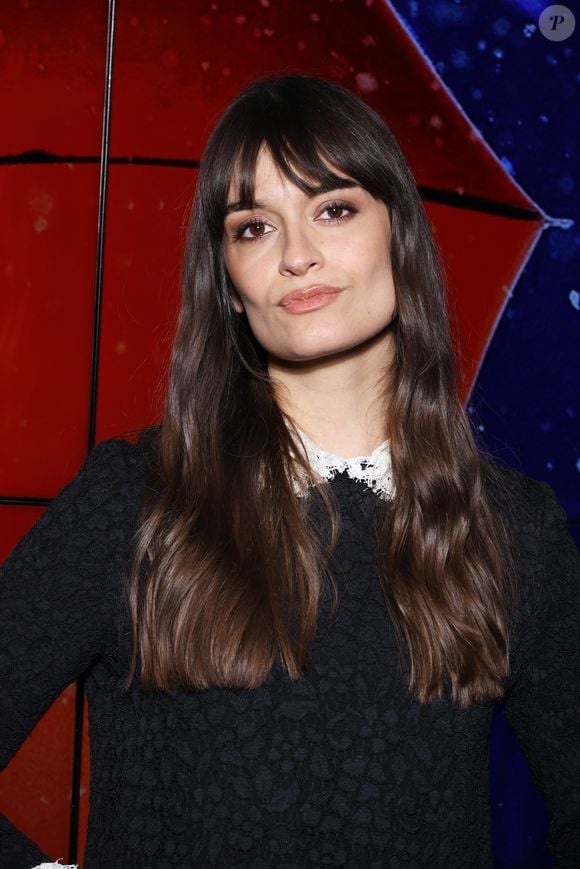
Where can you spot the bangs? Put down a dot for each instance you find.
(320, 136)
(304, 162)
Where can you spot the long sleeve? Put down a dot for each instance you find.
(56, 601)
(543, 702)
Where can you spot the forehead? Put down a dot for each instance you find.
(266, 173)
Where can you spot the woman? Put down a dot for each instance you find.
(298, 600)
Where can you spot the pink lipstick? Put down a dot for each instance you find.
(300, 301)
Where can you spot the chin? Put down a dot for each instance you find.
(312, 353)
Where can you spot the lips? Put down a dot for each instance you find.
(311, 292)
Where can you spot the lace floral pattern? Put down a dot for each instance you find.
(374, 470)
(55, 866)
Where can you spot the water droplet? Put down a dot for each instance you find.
(170, 59)
(366, 82)
(507, 165)
(563, 246)
(567, 184)
(501, 27)
(460, 59)
(574, 297)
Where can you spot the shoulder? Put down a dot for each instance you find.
(546, 558)
(516, 494)
(120, 460)
(108, 486)
(525, 504)
(121, 456)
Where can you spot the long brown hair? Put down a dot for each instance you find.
(227, 571)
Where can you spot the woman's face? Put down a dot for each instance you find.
(333, 246)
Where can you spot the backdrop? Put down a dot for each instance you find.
(105, 113)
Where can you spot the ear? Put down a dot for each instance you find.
(233, 293)
(236, 301)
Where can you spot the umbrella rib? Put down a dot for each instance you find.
(40, 156)
(477, 203)
(452, 198)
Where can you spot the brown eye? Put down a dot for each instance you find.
(252, 230)
(257, 229)
(337, 212)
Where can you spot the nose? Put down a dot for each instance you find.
(300, 251)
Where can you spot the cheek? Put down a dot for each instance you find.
(363, 250)
(377, 257)
(236, 282)
(231, 269)
(252, 275)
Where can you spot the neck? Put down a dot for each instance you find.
(339, 401)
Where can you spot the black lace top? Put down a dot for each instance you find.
(339, 768)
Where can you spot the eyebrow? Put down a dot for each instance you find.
(233, 207)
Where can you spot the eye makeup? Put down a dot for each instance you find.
(338, 205)
(261, 227)
(252, 223)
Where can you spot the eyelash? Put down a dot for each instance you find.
(344, 206)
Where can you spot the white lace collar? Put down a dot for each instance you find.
(374, 470)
